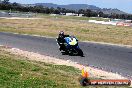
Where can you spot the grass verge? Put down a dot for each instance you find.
(84, 31)
(18, 73)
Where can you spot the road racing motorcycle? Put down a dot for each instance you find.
(70, 49)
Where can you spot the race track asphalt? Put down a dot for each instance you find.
(111, 58)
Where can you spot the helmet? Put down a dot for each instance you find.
(61, 34)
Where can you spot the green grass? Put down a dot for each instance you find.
(4, 10)
(18, 73)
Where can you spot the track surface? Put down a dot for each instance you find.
(110, 58)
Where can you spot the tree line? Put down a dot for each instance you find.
(6, 5)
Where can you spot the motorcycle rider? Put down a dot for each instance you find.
(61, 40)
(68, 43)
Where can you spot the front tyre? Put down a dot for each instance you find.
(80, 53)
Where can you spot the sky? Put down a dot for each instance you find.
(124, 5)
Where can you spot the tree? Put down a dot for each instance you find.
(81, 11)
(15, 6)
(39, 8)
(52, 10)
(100, 14)
(87, 13)
(63, 10)
(5, 5)
(5, 1)
(57, 11)
(47, 10)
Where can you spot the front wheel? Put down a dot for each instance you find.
(80, 53)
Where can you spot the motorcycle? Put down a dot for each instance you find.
(71, 50)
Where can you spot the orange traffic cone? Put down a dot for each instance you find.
(85, 73)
